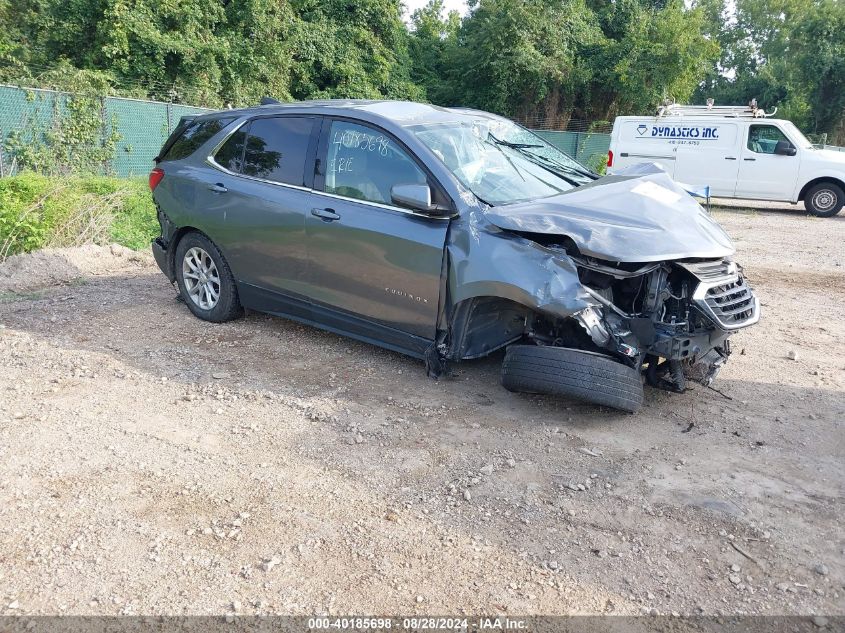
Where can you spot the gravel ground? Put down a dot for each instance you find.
(151, 463)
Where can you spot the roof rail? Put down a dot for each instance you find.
(751, 111)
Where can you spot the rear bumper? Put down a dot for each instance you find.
(162, 257)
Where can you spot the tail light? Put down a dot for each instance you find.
(155, 177)
(609, 159)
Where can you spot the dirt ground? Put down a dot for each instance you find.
(151, 463)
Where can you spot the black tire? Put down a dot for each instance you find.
(824, 199)
(572, 373)
(227, 305)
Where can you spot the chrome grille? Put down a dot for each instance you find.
(723, 294)
(732, 302)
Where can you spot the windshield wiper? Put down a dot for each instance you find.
(496, 143)
(549, 164)
(499, 141)
(561, 166)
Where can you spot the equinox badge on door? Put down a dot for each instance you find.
(402, 293)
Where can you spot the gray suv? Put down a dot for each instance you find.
(447, 234)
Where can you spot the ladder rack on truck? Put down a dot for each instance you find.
(751, 111)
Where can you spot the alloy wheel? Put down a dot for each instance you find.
(202, 281)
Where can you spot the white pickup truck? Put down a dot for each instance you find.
(736, 152)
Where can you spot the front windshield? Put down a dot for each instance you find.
(794, 133)
(501, 162)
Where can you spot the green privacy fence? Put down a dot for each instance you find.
(143, 127)
(137, 129)
(589, 148)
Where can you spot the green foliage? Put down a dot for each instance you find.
(348, 49)
(531, 59)
(135, 223)
(597, 162)
(788, 54)
(819, 54)
(212, 53)
(22, 215)
(38, 211)
(431, 48)
(648, 54)
(561, 58)
(76, 139)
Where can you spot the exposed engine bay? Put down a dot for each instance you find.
(672, 320)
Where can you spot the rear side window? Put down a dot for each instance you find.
(231, 155)
(276, 149)
(194, 136)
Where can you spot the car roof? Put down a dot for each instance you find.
(402, 113)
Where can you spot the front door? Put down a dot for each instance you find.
(762, 173)
(370, 259)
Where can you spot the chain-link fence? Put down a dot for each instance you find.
(132, 130)
(128, 133)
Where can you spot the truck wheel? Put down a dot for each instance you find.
(572, 373)
(205, 281)
(824, 199)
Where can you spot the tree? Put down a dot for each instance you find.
(785, 53)
(650, 51)
(819, 55)
(431, 47)
(351, 50)
(548, 60)
(554, 59)
(217, 52)
(521, 58)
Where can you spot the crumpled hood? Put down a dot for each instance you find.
(624, 219)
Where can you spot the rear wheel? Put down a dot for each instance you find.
(205, 281)
(572, 373)
(824, 199)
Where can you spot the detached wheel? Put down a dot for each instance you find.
(824, 199)
(572, 373)
(205, 281)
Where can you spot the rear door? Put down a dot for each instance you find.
(762, 173)
(709, 156)
(639, 142)
(261, 189)
(371, 261)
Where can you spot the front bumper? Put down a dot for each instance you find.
(162, 256)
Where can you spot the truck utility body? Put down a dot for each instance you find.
(736, 152)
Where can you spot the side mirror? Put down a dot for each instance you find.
(413, 196)
(785, 148)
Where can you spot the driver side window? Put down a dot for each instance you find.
(763, 139)
(365, 164)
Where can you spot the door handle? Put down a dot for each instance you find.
(217, 188)
(730, 157)
(328, 215)
(749, 159)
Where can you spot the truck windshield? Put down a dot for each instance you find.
(795, 134)
(501, 162)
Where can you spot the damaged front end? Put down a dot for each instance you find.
(662, 292)
(672, 320)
